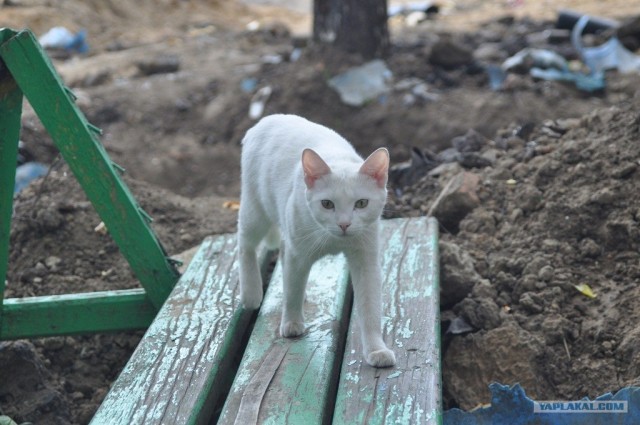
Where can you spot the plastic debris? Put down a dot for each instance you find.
(62, 38)
(25, 173)
(426, 7)
(529, 58)
(585, 289)
(258, 102)
(510, 405)
(567, 20)
(610, 55)
(363, 83)
(248, 85)
(459, 326)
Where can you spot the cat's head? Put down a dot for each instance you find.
(347, 199)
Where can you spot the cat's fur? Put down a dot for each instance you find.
(291, 167)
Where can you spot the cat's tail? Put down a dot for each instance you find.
(272, 240)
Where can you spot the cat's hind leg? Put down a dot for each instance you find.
(252, 228)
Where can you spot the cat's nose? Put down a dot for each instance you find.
(344, 227)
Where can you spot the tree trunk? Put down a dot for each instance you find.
(355, 26)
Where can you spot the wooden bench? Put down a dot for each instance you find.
(203, 360)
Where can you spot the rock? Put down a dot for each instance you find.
(472, 141)
(481, 313)
(473, 160)
(529, 198)
(531, 302)
(589, 248)
(449, 54)
(26, 388)
(457, 274)
(457, 199)
(163, 64)
(507, 354)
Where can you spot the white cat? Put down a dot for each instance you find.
(307, 184)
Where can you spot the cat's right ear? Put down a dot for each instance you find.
(314, 167)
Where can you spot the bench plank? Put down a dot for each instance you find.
(293, 380)
(410, 392)
(175, 373)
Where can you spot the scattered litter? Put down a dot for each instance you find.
(546, 65)
(25, 173)
(101, 228)
(529, 58)
(272, 59)
(567, 19)
(258, 102)
(459, 326)
(295, 54)
(248, 85)
(362, 83)
(62, 38)
(585, 289)
(610, 55)
(426, 7)
(231, 205)
(511, 182)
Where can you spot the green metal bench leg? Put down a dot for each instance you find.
(10, 110)
(85, 155)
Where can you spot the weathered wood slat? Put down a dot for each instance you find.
(177, 372)
(410, 392)
(293, 380)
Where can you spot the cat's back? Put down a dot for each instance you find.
(281, 138)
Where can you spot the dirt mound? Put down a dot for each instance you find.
(556, 211)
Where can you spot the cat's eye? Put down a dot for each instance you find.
(327, 204)
(361, 203)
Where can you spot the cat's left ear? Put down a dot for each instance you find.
(377, 166)
(314, 167)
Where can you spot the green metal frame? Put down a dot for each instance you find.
(25, 71)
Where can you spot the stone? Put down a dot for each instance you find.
(507, 354)
(471, 141)
(450, 54)
(457, 274)
(457, 199)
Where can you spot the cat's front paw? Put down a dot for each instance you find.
(251, 300)
(381, 358)
(291, 329)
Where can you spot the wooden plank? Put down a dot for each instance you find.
(183, 363)
(106, 311)
(410, 392)
(10, 111)
(87, 158)
(293, 381)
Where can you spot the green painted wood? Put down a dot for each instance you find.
(70, 314)
(182, 366)
(292, 381)
(88, 160)
(410, 392)
(10, 111)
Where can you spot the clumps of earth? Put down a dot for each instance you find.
(553, 211)
(534, 186)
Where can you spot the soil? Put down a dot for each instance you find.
(552, 170)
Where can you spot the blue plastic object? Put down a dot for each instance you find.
(25, 173)
(511, 406)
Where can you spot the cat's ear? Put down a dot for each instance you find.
(314, 167)
(377, 166)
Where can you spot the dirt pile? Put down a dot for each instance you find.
(557, 210)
